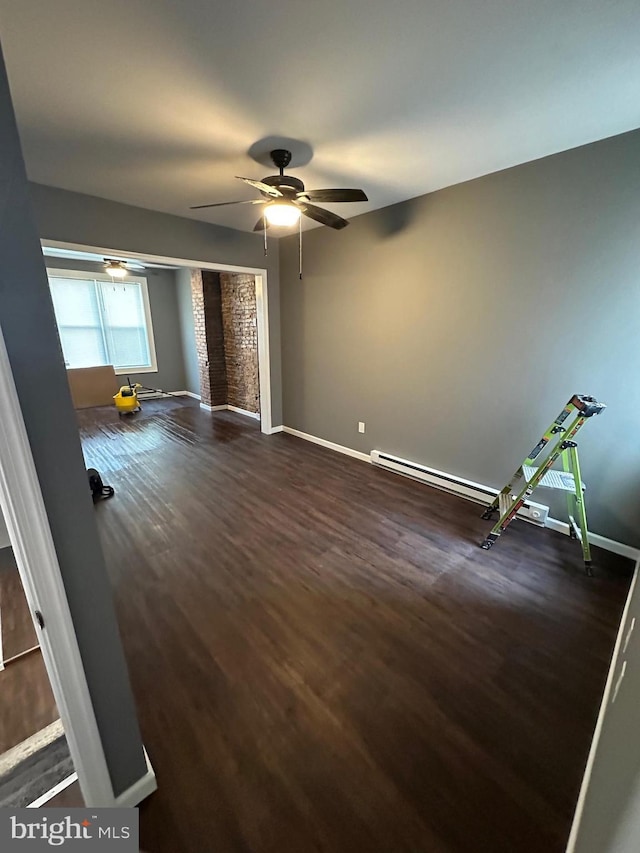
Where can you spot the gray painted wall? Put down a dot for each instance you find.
(456, 325)
(4, 534)
(187, 331)
(29, 328)
(611, 817)
(163, 302)
(75, 218)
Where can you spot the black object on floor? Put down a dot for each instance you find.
(99, 491)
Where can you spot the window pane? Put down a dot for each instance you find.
(128, 347)
(101, 322)
(82, 347)
(125, 324)
(75, 303)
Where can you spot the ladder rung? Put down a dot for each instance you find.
(552, 479)
(504, 503)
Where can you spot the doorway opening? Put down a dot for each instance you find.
(35, 761)
(228, 370)
(225, 326)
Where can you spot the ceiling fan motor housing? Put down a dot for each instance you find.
(290, 193)
(281, 158)
(287, 184)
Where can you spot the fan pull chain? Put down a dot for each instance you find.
(264, 224)
(300, 244)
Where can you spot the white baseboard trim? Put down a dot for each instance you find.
(152, 395)
(159, 394)
(531, 512)
(339, 448)
(597, 540)
(254, 415)
(140, 790)
(149, 395)
(184, 394)
(276, 429)
(224, 408)
(553, 523)
(53, 792)
(213, 408)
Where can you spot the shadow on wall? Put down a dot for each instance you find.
(614, 516)
(4, 533)
(392, 220)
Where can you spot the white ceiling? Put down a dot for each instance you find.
(156, 102)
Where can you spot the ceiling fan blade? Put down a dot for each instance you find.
(260, 224)
(264, 188)
(224, 203)
(327, 196)
(326, 217)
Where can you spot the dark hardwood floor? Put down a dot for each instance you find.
(26, 700)
(70, 798)
(325, 660)
(18, 633)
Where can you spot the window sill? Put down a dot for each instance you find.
(121, 371)
(135, 370)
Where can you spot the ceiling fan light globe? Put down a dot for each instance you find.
(116, 269)
(117, 272)
(282, 214)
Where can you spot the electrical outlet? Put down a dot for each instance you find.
(360, 426)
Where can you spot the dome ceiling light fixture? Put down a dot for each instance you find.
(116, 269)
(281, 213)
(286, 200)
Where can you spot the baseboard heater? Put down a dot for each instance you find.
(533, 512)
(156, 395)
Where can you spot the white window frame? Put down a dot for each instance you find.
(136, 279)
(267, 427)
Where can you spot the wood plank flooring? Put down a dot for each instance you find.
(69, 798)
(26, 701)
(18, 633)
(325, 660)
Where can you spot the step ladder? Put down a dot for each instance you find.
(529, 476)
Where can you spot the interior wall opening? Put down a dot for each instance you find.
(34, 754)
(204, 334)
(224, 316)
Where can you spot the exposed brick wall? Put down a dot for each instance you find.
(240, 329)
(207, 321)
(197, 302)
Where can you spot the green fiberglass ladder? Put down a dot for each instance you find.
(528, 477)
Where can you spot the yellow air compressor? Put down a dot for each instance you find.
(126, 399)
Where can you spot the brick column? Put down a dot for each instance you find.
(207, 321)
(240, 325)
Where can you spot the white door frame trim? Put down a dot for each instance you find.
(262, 306)
(28, 525)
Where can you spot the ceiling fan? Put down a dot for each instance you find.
(285, 198)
